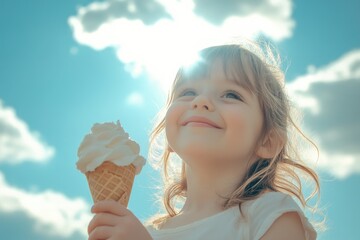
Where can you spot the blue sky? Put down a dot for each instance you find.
(65, 65)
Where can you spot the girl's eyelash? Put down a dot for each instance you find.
(182, 93)
(231, 93)
(235, 95)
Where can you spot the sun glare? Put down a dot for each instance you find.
(157, 50)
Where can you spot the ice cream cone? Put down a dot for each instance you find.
(109, 181)
(110, 160)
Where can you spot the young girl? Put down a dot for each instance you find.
(228, 120)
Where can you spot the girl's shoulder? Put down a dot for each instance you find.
(252, 222)
(268, 200)
(262, 212)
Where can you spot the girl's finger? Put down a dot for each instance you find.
(102, 232)
(110, 206)
(102, 219)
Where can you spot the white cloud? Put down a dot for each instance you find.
(345, 69)
(135, 98)
(53, 213)
(340, 165)
(271, 17)
(330, 98)
(158, 36)
(17, 142)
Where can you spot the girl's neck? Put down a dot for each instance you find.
(206, 191)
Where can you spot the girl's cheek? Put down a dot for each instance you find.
(173, 116)
(242, 125)
(172, 119)
(238, 118)
(171, 113)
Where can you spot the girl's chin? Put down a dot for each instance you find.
(198, 155)
(198, 151)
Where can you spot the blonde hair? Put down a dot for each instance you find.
(258, 68)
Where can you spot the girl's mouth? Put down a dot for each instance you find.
(199, 121)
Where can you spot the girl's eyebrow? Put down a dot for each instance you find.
(178, 86)
(181, 83)
(242, 87)
(232, 82)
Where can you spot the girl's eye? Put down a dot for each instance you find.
(187, 93)
(233, 95)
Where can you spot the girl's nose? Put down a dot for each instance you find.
(202, 102)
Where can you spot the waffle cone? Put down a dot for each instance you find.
(110, 181)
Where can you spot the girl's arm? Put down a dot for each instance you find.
(287, 226)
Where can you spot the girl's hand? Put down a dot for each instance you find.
(114, 221)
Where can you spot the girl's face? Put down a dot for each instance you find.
(213, 121)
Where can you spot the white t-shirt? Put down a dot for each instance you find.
(230, 224)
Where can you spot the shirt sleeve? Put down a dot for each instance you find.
(267, 208)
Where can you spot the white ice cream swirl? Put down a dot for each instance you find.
(108, 142)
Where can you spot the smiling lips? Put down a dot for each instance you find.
(200, 122)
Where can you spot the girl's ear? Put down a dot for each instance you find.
(271, 145)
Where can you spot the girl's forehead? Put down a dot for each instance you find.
(218, 69)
